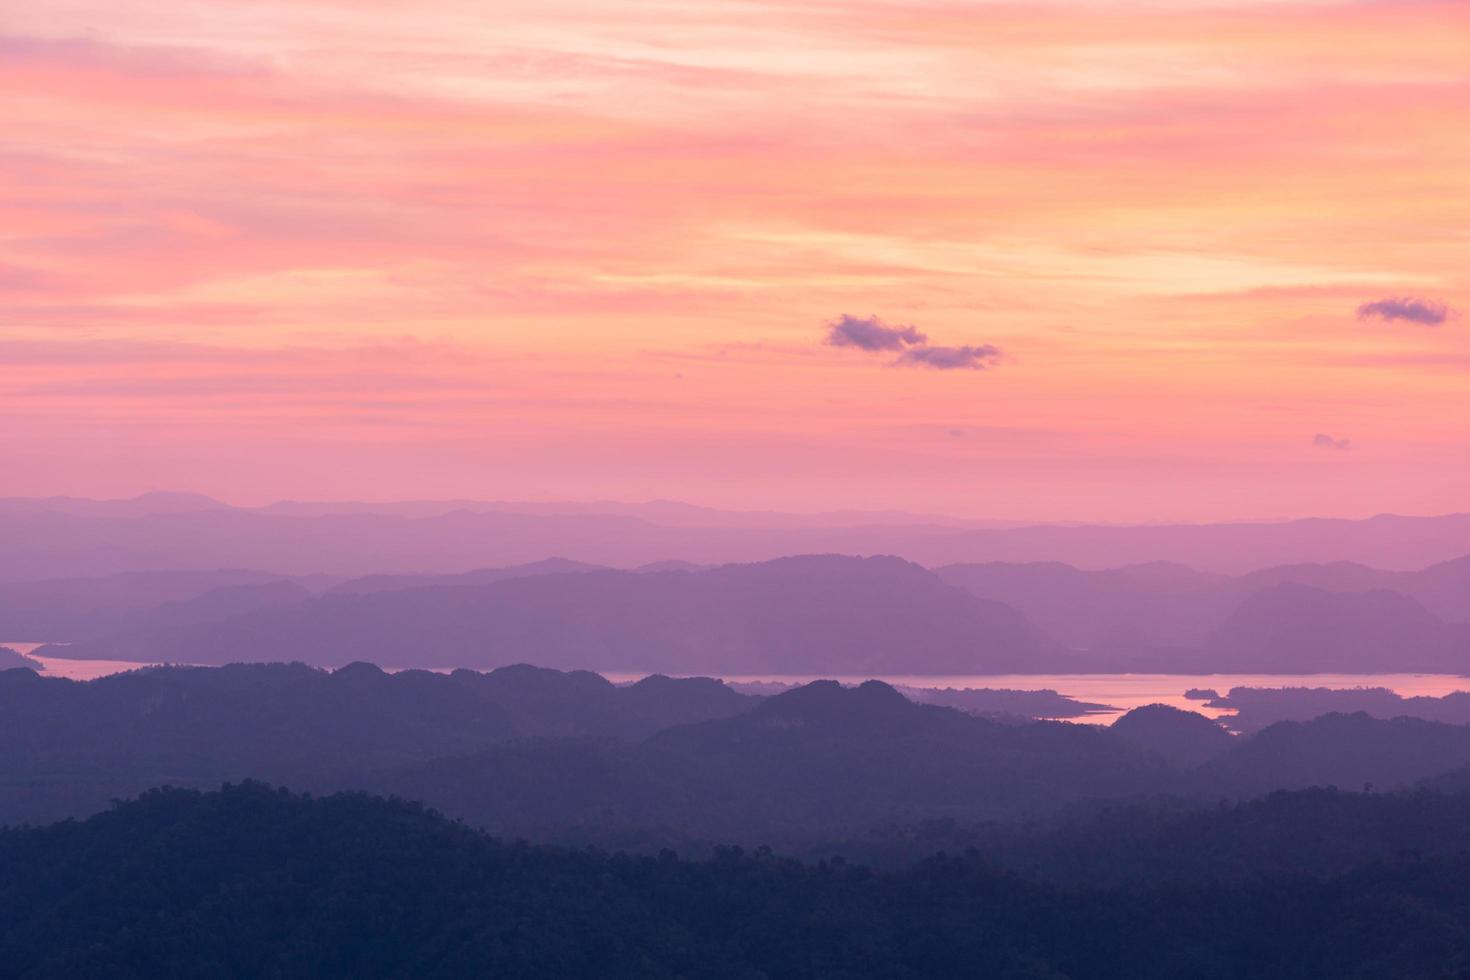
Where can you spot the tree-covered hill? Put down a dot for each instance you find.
(250, 881)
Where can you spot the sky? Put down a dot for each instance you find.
(1111, 261)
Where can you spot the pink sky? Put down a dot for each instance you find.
(592, 248)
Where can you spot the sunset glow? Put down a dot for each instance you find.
(567, 249)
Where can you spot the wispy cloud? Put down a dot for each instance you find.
(1426, 312)
(1323, 441)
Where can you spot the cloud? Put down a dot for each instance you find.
(871, 333)
(1323, 441)
(1426, 312)
(975, 357)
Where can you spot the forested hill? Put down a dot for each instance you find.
(568, 756)
(250, 882)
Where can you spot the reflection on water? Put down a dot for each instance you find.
(77, 670)
(1123, 692)
(84, 670)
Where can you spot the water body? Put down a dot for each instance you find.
(1122, 692)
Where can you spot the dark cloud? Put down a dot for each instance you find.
(871, 333)
(1426, 312)
(951, 358)
(1323, 441)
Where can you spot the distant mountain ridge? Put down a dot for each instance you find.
(672, 617)
(65, 538)
(478, 576)
(1312, 630)
(1299, 618)
(802, 615)
(67, 610)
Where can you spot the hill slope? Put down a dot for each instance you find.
(807, 615)
(351, 886)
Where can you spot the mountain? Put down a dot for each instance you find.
(71, 746)
(1343, 750)
(62, 538)
(1183, 737)
(665, 513)
(152, 504)
(1299, 629)
(11, 660)
(1309, 833)
(1337, 576)
(1168, 617)
(216, 604)
(1443, 589)
(1386, 541)
(806, 615)
(548, 755)
(67, 610)
(253, 881)
(541, 701)
(1149, 605)
(478, 576)
(818, 760)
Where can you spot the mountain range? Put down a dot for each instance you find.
(67, 538)
(567, 755)
(805, 615)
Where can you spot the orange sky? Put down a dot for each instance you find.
(593, 248)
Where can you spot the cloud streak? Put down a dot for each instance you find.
(1425, 312)
(1323, 441)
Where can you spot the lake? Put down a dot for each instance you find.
(1122, 692)
(1125, 692)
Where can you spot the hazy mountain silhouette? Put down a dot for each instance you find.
(71, 746)
(11, 660)
(1343, 750)
(1300, 629)
(479, 576)
(1183, 737)
(552, 755)
(1168, 617)
(1387, 541)
(665, 513)
(147, 505)
(1443, 589)
(820, 759)
(1153, 617)
(806, 615)
(216, 604)
(62, 538)
(1338, 576)
(65, 610)
(1151, 604)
